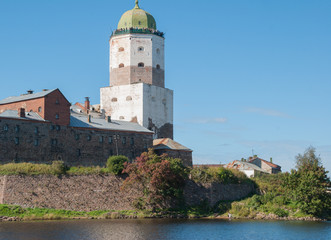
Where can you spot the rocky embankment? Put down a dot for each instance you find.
(9, 219)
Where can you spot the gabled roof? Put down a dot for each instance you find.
(239, 165)
(81, 121)
(167, 143)
(28, 115)
(25, 97)
(266, 162)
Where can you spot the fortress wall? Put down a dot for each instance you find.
(100, 192)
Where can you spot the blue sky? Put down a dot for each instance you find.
(247, 75)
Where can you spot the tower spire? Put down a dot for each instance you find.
(137, 4)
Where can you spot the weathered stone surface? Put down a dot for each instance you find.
(101, 192)
(195, 193)
(80, 193)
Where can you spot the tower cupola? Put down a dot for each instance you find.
(137, 18)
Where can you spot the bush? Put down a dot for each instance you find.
(281, 212)
(226, 176)
(58, 168)
(115, 164)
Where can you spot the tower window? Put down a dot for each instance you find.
(17, 141)
(121, 118)
(121, 49)
(121, 65)
(128, 98)
(141, 65)
(158, 51)
(158, 66)
(140, 49)
(114, 99)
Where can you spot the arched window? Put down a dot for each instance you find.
(158, 51)
(121, 65)
(121, 49)
(141, 65)
(128, 98)
(140, 49)
(39, 109)
(114, 99)
(158, 66)
(121, 118)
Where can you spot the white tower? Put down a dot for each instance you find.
(137, 90)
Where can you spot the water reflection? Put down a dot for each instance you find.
(163, 229)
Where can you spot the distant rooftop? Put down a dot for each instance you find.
(167, 143)
(27, 96)
(28, 115)
(239, 165)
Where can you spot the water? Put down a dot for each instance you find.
(165, 229)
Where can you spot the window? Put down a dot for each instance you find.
(123, 140)
(88, 137)
(110, 140)
(121, 118)
(132, 141)
(77, 137)
(121, 65)
(57, 116)
(5, 128)
(139, 22)
(54, 142)
(17, 141)
(158, 51)
(17, 129)
(128, 98)
(40, 109)
(121, 49)
(78, 153)
(52, 127)
(111, 152)
(57, 101)
(101, 139)
(36, 142)
(158, 66)
(58, 128)
(140, 49)
(114, 99)
(36, 130)
(141, 65)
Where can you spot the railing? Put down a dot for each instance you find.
(137, 30)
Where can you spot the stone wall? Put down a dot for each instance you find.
(96, 192)
(214, 192)
(43, 142)
(81, 193)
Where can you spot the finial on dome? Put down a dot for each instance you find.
(137, 4)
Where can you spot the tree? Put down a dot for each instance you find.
(115, 164)
(307, 186)
(161, 177)
(308, 159)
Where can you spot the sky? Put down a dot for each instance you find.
(249, 77)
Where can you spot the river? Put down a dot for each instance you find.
(164, 229)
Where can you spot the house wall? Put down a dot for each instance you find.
(40, 142)
(185, 156)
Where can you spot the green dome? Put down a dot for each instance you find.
(137, 18)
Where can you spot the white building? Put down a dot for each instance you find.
(137, 90)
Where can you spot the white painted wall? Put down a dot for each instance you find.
(148, 101)
(131, 56)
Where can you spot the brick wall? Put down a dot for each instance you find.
(40, 142)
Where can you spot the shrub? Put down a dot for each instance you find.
(115, 164)
(58, 168)
(201, 175)
(281, 212)
(226, 176)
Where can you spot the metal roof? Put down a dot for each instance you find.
(81, 121)
(25, 97)
(239, 165)
(28, 115)
(167, 143)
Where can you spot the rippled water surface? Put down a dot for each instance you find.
(164, 229)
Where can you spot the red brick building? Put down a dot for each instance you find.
(51, 105)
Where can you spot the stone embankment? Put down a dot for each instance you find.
(9, 219)
(100, 192)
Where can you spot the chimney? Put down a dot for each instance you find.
(30, 92)
(109, 119)
(89, 117)
(87, 104)
(45, 90)
(21, 112)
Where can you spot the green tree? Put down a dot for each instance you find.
(115, 164)
(307, 186)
